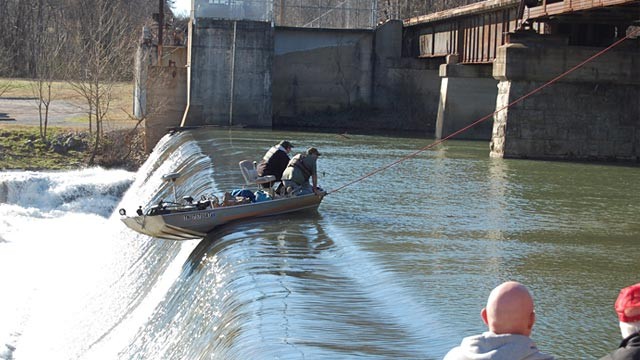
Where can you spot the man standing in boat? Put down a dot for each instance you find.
(275, 161)
(302, 167)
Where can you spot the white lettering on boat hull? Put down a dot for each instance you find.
(198, 217)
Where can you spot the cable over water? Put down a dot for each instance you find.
(386, 286)
(484, 118)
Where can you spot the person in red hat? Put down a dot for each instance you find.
(628, 309)
(510, 316)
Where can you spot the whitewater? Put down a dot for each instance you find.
(67, 264)
(396, 267)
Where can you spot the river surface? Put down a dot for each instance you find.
(397, 266)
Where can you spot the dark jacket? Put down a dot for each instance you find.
(629, 349)
(273, 163)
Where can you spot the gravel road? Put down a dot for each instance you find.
(62, 113)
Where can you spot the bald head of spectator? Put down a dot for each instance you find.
(509, 310)
(509, 316)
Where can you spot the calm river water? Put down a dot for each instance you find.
(398, 265)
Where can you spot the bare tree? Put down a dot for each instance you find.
(21, 18)
(104, 54)
(4, 67)
(6, 45)
(48, 65)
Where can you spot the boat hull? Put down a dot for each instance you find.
(195, 224)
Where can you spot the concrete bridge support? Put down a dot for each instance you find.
(405, 89)
(592, 114)
(230, 81)
(467, 93)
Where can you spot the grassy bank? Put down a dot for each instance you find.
(69, 146)
(22, 148)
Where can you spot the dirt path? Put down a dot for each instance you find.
(62, 113)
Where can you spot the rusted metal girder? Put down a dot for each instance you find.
(610, 11)
(472, 32)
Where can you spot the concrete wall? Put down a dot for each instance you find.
(406, 90)
(319, 71)
(467, 94)
(592, 114)
(322, 79)
(146, 56)
(166, 101)
(231, 73)
(348, 79)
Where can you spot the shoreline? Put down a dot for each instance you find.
(68, 148)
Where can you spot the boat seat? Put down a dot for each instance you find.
(250, 174)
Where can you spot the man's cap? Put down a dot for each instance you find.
(285, 144)
(313, 150)
(628, 304)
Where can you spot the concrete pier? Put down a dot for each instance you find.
(591, 114)
(467, 93)
(406, 89)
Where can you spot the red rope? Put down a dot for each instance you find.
(440, 141)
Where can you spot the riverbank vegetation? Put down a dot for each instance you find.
(22, 148)
(80, 52)
(70, 145)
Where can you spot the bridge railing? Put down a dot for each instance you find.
(551, 7)
(473, 32)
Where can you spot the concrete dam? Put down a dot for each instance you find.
(248, 64)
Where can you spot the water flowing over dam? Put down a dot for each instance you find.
(397, 266)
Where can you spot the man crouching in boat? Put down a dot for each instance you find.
(302, 167)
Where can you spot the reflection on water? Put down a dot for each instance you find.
(396, 266)
(282, 289)
(450, 224)
(400, 264)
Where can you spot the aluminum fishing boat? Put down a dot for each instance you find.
(192, 220)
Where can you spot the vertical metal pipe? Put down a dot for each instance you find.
(374, 12)
(189, 55)
(233, 75)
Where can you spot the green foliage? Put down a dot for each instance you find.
(65, 149)
(22, 148)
